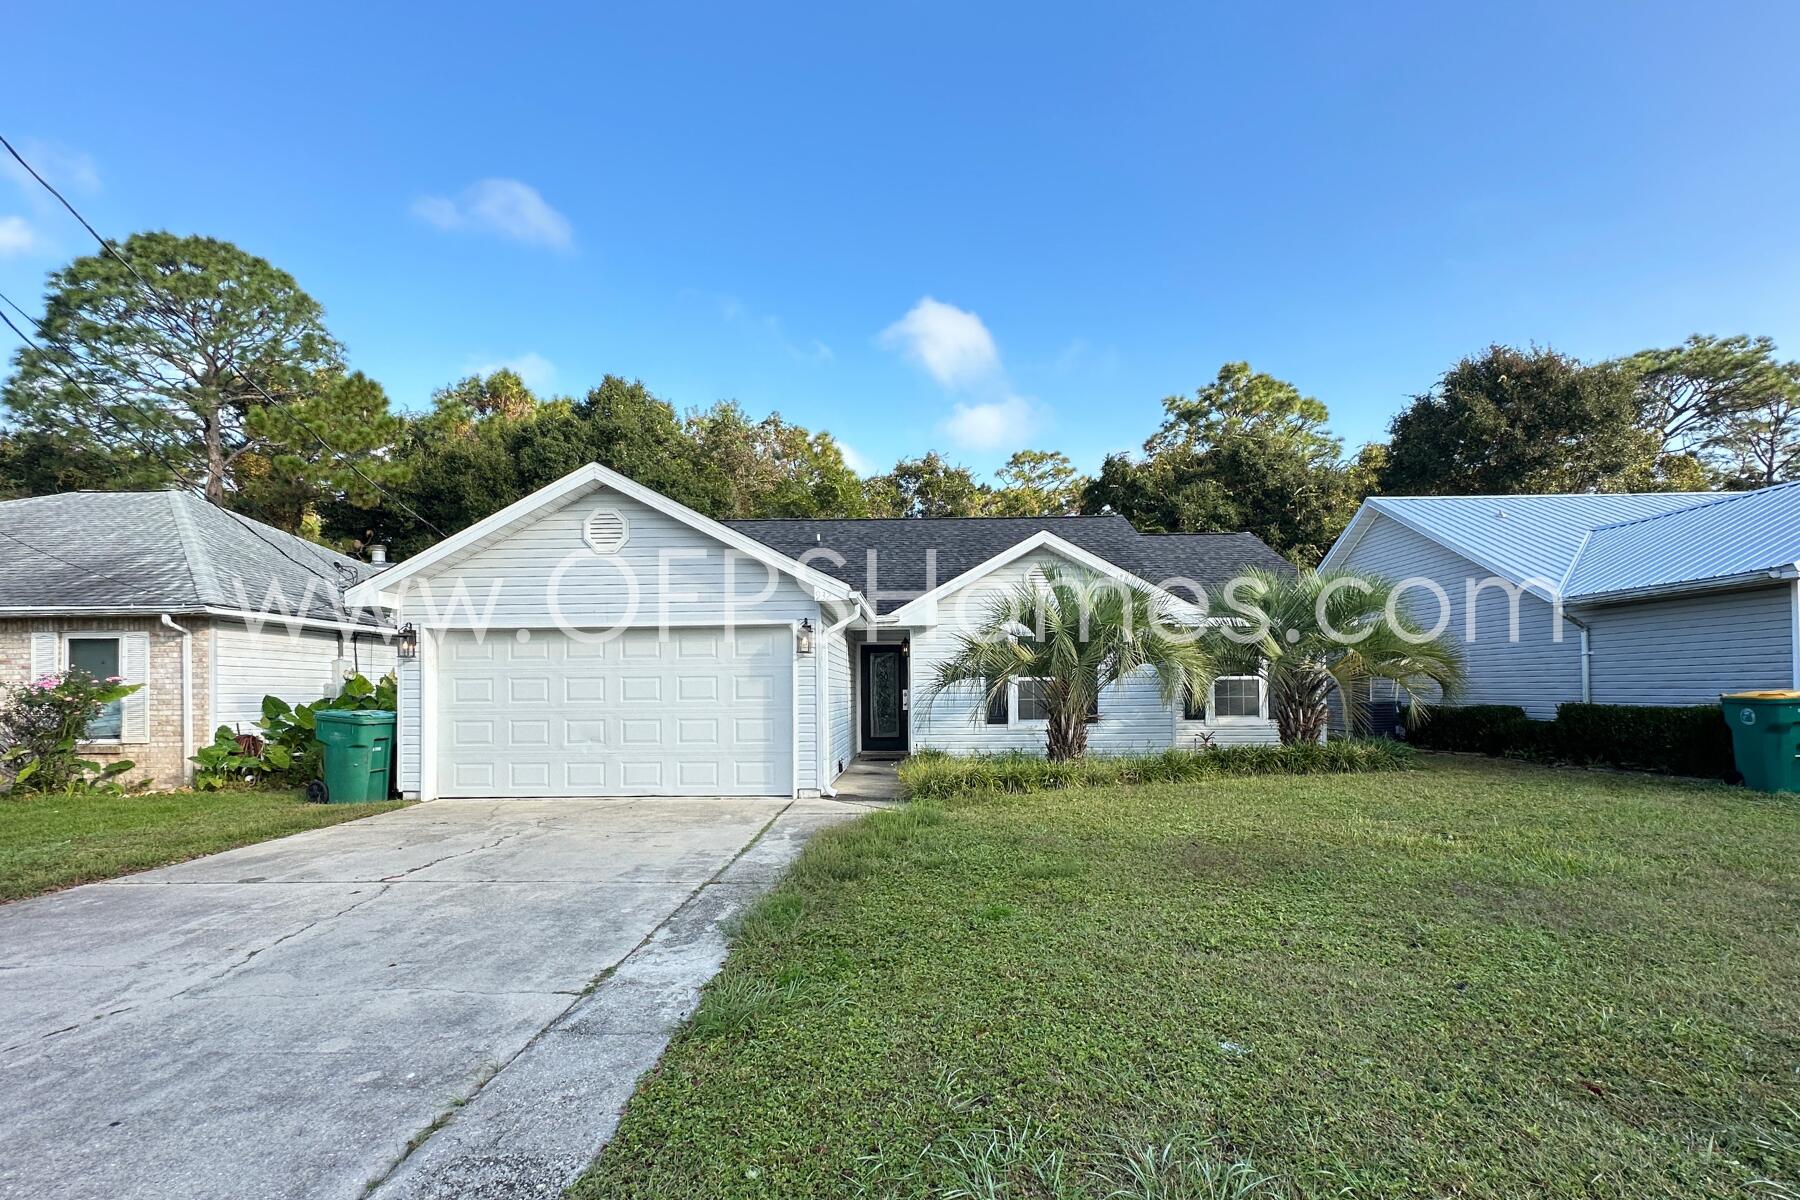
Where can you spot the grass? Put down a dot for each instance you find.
(50, 842)
(1472, 979)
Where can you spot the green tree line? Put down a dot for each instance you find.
(206, 367)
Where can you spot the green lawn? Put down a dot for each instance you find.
(1476, 979)
(49, 842)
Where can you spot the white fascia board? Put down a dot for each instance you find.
(1686, 587)
(921, 611)
(377, 592)
(1346, 541)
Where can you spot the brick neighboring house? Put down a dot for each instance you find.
(210, 610)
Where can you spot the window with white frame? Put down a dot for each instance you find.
(1237, 697)
(1031, 701)
(101, 658)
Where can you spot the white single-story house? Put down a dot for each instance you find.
(208, 610)
(597, 638)
(1655, 598)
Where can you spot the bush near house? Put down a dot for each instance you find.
(935, 775)
(1688, 740)
(42, 723)
(284, 754)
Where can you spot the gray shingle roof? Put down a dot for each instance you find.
(962, 543)
(164, 552)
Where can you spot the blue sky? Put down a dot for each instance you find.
(1101, 205)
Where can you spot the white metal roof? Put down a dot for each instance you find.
(1602, 545)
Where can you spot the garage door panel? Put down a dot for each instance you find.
(693, 712)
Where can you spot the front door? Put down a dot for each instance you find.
(885, 698)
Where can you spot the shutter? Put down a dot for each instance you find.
(134, 664)
(43, 655)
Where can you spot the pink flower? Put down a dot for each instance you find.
(115, 679)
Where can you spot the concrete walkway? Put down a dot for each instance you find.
(450, 1000)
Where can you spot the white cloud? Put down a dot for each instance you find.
(65, 169)
(853, 459)
(17, 236)
(996, 425)
(951, 343)
(538, 372)
(503, 207)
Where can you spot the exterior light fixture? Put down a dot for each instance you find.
(803, 637)
(406, 641)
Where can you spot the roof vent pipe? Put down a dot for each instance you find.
(377, 553)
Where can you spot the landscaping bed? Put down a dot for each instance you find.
(50, 841)
(935, 775)
(1475, 978)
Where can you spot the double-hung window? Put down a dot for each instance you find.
(100, 657)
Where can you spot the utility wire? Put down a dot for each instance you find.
(155, 296)
(253, 526)
(144, 443)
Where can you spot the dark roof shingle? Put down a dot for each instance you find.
(903, 546)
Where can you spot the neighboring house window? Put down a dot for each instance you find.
(1033, 701)
(999, 709)
(1237, 696)
(1193, 705)
(99, 657)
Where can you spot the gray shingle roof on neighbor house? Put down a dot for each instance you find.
(962, 543)
(162, 552)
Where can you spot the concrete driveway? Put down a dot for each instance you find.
(450, 1000)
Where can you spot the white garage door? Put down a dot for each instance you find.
(682, 712)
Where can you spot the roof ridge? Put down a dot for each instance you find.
(188, 536)
(1713, 502)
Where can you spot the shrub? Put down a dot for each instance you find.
(1681, 741)
(286, 754)
(41, 724)
(1677, 741)
(1482, 728)
(935, 775)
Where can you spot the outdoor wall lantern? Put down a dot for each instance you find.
(803, 636)
(406, 642)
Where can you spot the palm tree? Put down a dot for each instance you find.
(1075, 634)
(1319, 630)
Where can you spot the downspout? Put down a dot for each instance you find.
(187, 696)
(822, 670)
(1587, 660)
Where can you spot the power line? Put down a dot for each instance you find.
(147, 445)
(39, 550)
(252, 525)
(273, 403)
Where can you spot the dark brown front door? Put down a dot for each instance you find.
(884, 698)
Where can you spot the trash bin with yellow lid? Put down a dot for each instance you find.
(1765, 737)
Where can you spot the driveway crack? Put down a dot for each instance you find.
(443, 1119)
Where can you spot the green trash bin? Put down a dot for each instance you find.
(1765, 738)
(358, 754)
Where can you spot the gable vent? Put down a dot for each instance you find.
(606, 531)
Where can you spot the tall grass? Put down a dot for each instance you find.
(933, 775)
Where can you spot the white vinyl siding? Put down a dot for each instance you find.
(681, 573)
(407, 696)
(1133, 716)
(1687, 651)
(299, 667)
(842, 700)
(1536, 673)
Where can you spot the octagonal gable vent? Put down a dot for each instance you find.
(606, 531)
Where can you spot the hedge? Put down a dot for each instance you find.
(935, 775)
(1677, 741)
